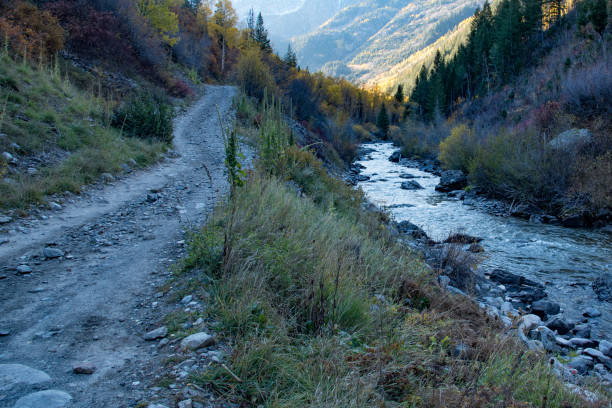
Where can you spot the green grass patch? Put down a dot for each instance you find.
(42, 112)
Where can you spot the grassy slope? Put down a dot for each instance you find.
(325, 308)
(61, 131)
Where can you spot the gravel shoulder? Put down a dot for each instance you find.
(94, 303)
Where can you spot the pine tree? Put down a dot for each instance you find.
(251, 25)
(290, 58)
(399, 94)
(261, 35)
(382, 122)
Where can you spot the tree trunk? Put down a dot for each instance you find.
(223, 56)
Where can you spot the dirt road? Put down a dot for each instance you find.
(95, 300)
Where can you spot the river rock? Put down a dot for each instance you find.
(55, 206)
(197, 341)
(526, 324)
(107, 177)
(460, 238)
(605, 347)
(560, 325)
(23, 269)
(508, 310)
(591, 312)
(44, 399)
(548, 339)
(582, 330)
(185, 404)
(505, 277)
(14, 374)
(406, 176)
(527, 294)
(84, 368)
(599, 356)
(4, 219)
(361, 177)
(571, 139)
(603, 289)
(581, 364)
(408, 228)
(545, 308)
(51, 253)
(452, 180)
(395, 157)
(411, 185)
(156, 406)
(579, 342)
(156, 334)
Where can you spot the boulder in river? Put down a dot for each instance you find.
(451, 180)
(582, 330)
(407, 176)
(411, 185)
(560, 325)
(591, 312)
(460, 238)
(545, 308)
(395, 157)
(406, 227)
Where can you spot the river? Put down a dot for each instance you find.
(565, 260)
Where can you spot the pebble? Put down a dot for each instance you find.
(44, 399)
(187, 299)
(197, 341)
(158, 333)
(84, 368)
(4, 219)
(51, 253)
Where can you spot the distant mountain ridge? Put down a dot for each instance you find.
(371, 42)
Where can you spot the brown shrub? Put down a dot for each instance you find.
(30, 32)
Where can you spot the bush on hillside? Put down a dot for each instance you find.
(254, 76)
(30, 32)
(145, 116)
(458, 150)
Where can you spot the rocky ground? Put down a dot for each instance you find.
(79, 286)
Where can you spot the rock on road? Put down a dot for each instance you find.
(91, 304)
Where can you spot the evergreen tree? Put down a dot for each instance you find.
(290, 58)
(261, 35)
(251, 25)
(399, 94)
(382, 122)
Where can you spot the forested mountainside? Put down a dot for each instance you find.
(289, 19)
(370, 37)
(526, 101)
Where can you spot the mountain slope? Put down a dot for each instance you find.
(367, 39)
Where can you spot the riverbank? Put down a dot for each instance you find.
(506, 283)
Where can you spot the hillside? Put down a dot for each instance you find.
(289, 19)
(369, 38)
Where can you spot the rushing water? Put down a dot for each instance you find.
(565, 260)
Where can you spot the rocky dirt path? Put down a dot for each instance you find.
(81, 286)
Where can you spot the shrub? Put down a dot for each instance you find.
(179, 89)
(254, 76)
(457, 151)
(146, 116)
(594, 176)
(91, 32)
(589, 90)
(30, 32)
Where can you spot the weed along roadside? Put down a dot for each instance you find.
(313, 301)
